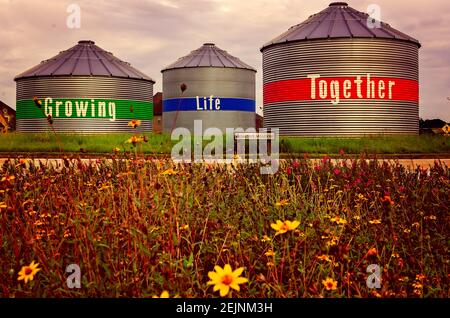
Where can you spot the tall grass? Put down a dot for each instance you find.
(161, 144)
(370, 145)
(72, 143)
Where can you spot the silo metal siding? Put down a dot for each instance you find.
(233, 86)
(123, 92)
(342, 58)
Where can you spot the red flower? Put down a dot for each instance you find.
(337, 171)
(387, 199)
(289, 170)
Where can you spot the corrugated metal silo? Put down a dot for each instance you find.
(339, 74)
(220, 91)
(86, 90)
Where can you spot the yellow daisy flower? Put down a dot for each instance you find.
(283, 227)
(225, 278)
(330, 284)
(28, 272)
(169, 172)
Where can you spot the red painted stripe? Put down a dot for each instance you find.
(300, 89)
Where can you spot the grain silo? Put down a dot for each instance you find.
(220, 91)
(86, 90)
(340, 73)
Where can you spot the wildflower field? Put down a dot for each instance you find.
(143, 228)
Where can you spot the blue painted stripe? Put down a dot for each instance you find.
(226, 104)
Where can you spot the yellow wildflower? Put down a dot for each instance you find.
(330, 284)
(324, 258)
(169, 172)
(338, 220)
(269, 253)
(164, 294)
(8, 178)
(283, 227)
(225, 278)
(28, 272)
(134, 123)
(282, 202)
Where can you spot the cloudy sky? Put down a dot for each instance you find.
(150, 34)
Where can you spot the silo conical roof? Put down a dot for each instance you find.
(209, 55)
(338, 20)
(84, 59)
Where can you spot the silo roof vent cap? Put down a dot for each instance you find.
(338, 4)
(86, 42)
(209, 44)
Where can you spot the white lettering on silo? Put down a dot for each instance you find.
(198, 102)
(323, 86)
(68, 108)
(112, 111)
(391, 83)
(47, 108)
(101, 109)
(313, 84)
(358, 82)
(57, 104)
(334, 91)
(210, 102)
(370, 87)
(347, 86)
(81, 108)
(381, 89)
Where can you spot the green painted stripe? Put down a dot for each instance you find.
(26, 109)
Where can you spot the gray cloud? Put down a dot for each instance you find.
(150, 34)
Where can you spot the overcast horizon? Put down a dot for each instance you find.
(154, 33)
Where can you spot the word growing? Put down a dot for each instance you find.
(350, 88)
(80, 108)
(235, 148)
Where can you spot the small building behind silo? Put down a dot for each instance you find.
(7, 118)
(157, 113)
(84, 89)
(219, 90)
(341, 73)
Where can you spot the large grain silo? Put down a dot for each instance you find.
(220, 91)
(340, 73)
(86, 90)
